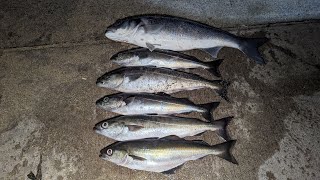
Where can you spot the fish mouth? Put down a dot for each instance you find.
(99, 83)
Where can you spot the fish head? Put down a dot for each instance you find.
(109, 128)
(122, 29)
(110, 102)
(110, 80)
(114, 154)
(124, 59)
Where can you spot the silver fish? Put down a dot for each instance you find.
(179, 34)
(155, 80)
(163, 155)
(164, 59)
(139, 104)
(124, 128)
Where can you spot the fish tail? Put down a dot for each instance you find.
(214, 67)
(222, 124)
(209, 107)
(224, 149)
(250, 46)
(222, 90)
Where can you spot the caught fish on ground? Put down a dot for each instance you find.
(124, 128)
(156, 80)
(135, 104)
(179, 34)
(163, 155)
(164, 59)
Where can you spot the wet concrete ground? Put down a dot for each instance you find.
(47, 96)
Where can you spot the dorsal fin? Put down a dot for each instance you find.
(201, 142)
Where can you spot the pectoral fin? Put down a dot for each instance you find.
(130, 99)
(173, 170)
(137, 158)
(151, 47)
(134, 77)
(213, 51)
(134, 127)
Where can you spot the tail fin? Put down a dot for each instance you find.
(222, 91)
(214, 67)
(209, 107)
(222, 124)
(224, 151)
(250, 47)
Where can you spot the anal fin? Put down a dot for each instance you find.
(173, 170)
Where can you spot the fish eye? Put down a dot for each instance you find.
(109, 152)
(104, 125)
(105, 99)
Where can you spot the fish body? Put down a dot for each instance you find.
(179, 34)
(163, 59)
(140, 104)
(162, 155)
(124, 128)
(156, 80)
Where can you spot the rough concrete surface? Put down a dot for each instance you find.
(47, 96)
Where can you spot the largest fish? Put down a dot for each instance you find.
(155, 80)
(179, 34)
(162, 155)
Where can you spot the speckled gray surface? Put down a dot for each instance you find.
(47, 95)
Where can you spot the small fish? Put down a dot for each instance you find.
(163, 155)
(139, 104)
(179, 34)
(124, 128)
(156, 80)
(164, 59)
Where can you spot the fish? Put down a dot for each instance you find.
(157, 80)
(163, 59)
(163, 155)
(160, 104)
(126, 128)
(180, 34)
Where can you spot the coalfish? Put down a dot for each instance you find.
(179, 34)
(139, 104)
(163, 155)
(156, 80)
(164, 59)
(124, 128)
